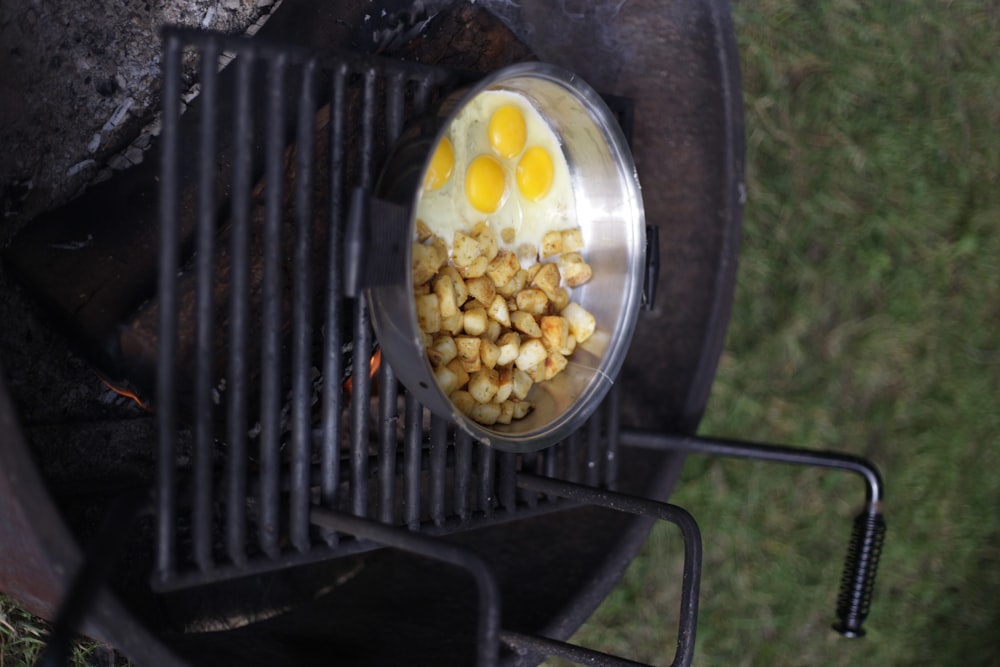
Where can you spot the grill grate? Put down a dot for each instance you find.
(271, 436)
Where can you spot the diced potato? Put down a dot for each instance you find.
(527, 251)
(463, 401)
(505, 384)
(532, 353)
(560, 299)
(572, 240)
(474, 320)
(453, 324)
(423, 231)
(570, 346)
(536, 372)
(475, 269)
(506, 412)
(424, 263)
(581, 323)
(422, 289)
(461, 291)
(426, 339)
(533, 270)
(428, 313)
(440, 248)
(534, 301)
(488, 246)
(481, 289)
(552, 244)
(509, 344)
(508, 234)
(514, 285)
(525, 323)
(483, 385)
(465, 249)
(503, 267)
(458, 370)
(442, 351)
(547, 279)
(555, 332)
(554, 364)
(498, 310)
(485, 413)
(489, 352)
(574, 270)
(522, 384)
(468, 352)
(444, 288)
(493, 331)
(447, 379)
(522, 408)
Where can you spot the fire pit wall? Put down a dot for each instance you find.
(75, 283)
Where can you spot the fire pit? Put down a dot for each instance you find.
(258, 530)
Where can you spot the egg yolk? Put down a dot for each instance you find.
(442, 163)
(507, 131)
(484, 183)
(535, 173)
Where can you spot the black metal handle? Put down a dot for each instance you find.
(860, 568)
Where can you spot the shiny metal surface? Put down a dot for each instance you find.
(610, 213)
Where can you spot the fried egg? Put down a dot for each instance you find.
(498, 162)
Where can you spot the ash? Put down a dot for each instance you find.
(79, 90)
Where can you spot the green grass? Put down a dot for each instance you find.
(866, 320)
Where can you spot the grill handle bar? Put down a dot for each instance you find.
(639, 506)
(488, 631)
(868, 534)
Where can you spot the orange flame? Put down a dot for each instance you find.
(374, 364)
(126, 393)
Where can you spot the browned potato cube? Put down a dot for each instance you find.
(422, 289)
(485, 413)
(440, 248)
(503, 267)
(498, 311)
(574, 270)
(581, 323)
(453, 323)
(444, 288)
(531, 354)
(554, 364)
(481, 289)
(428, 313)
(458, 370)
(537, 372)
(489, 352)
(522, 384)
(532, 301)
(570, 346)
(560, 299)
(468, 352)
(533, 270)
(423, 231)
(493, 330)
(522, 408)
(572, 240)
(555, 332)
(525, 323)
(461, 292)
(508, 234)
(463, 401)
(483, 385)
(488, 246)
(442, 351)
(426, 340)
(505, 384)
(474, 320)
(447, 379)
(527, 251)
(465, 249)
(506, 412)
(514, 285)
(424, 263)
(552, 244)
(475, 269)
(509, 344)
(547, 279)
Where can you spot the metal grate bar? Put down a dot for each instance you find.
(301, 442)
(484, 456)
(167, 347)
(463, 473)
(270, 408)
(508, 481)
(411, 460)
(201, 514)
(388, 421)
(332, 361)
(239, 320)
(439, 460)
